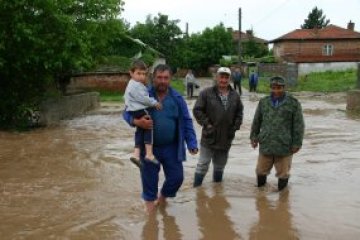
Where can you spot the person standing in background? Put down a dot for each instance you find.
(236, 79)
(253, 81)
(190, 83)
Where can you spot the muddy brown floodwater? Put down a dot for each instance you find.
(75, 181)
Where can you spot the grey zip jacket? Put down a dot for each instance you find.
(137, 96)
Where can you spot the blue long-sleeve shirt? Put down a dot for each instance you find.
(185, 128)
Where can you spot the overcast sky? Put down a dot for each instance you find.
(268, 18)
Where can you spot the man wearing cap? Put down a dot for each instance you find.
(278, 127)
(219, 111)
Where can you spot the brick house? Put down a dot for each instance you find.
(323, 49)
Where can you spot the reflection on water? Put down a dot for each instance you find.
(274, 218)
(152, 227)
(211, 211)
(75, 181)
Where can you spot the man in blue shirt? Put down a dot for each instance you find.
(236, 78)
(173, 127)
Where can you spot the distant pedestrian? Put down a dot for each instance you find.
(190, 83)
(236, 79)
(253, 81)
(278, 127)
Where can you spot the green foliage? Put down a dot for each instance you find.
(263, 85)
(41, 43)
(113, 63)
(315, 19)
(226, 62)
(204, 49)
(148, 58)
(161, 34)
(178, 85)
(109, 96)
(328, 81)
(253, 49)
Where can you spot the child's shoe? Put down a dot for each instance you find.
(136, 161)
(154, 160)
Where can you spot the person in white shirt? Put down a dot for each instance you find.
(190, 83)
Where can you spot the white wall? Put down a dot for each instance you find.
(305, 68)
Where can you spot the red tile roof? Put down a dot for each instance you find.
(329, 32)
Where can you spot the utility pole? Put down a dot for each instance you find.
(239, 40)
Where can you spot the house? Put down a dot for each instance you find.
(250, 44)
(247, 36)
(329, 48)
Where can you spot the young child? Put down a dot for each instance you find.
(138, 102)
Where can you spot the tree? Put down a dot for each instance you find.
(207, 48)
(43, 41)
(160, 33)
(315, 19)
(253, 49)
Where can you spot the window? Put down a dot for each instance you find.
(328, 50)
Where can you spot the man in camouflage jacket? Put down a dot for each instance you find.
(278, 127)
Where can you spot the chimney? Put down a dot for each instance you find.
(351, 26)
(250, 32)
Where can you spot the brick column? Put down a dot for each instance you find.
(353, 96)
(358, 76)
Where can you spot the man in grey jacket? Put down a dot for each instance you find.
(219, 111)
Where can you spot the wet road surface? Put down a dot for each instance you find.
(75, 181)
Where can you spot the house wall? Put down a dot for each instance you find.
(305, 68)
(311, 51)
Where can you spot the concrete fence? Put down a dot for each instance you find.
(54, 110)
(353, 96)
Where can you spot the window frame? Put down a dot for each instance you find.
(328, 49)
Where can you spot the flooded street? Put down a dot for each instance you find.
(75, 181)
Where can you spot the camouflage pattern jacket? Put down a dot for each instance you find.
(278, 129)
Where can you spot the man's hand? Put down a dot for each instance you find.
(193, 151)
(254, 144)
(295, 150)
(144, 122)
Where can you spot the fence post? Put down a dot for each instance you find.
(292, 73)
(358, 76)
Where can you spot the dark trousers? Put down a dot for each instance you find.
(190, 89)
(238, 85)
(172, 168)
(252, 87)
(142, 135)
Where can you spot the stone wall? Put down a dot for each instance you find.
(54, 110)
(287, 70)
